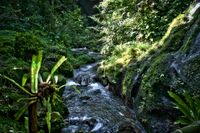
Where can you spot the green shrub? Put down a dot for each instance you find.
(27, 44)
(122, 21)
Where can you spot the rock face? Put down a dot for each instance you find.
(172, 64)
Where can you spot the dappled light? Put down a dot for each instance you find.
(99, 66)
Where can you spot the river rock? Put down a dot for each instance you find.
(128, 127)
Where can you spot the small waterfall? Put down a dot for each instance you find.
(93, 109)
(193, 10)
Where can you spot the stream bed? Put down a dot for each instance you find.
(93, 109)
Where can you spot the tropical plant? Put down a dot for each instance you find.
(190, 107)
(39, 92)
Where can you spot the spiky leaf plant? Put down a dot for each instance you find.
(189, 106)
(38, 92)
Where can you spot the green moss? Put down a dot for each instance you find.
(128, 81)
(120, 59)
(175, 34)
(154, 80)
(191, 36)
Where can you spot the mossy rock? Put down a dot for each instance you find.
(174, 67)
(173, 64)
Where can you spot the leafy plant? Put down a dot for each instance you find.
(189, 106)
(123, 21)
(39, 92)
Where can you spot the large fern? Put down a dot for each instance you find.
(189, 106)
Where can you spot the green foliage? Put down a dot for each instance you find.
(26, 27)
(120, 58)
(27, 44)
(9, 125)
(43, 91)
(189, 106)
(128, 20)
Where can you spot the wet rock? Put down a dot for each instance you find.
(94, 109)
(85, 97)
(94, 91)
(84, 79)
(128, 127)
(70, 129)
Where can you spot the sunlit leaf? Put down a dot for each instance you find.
(35, 68)
(56, 66)
(24, 79)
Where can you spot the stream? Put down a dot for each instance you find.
(92, 108)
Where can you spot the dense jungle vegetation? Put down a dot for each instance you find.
(150, 49)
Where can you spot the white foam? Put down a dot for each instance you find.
(71, 83)
(97, 127)
(193, 10)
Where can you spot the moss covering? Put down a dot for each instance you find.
(120, 59)
(170, 64)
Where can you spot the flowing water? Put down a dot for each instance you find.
(93, 109)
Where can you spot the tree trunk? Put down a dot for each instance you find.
(32, 110)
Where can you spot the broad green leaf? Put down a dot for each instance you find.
(191, 103)
(33, 72)
(56, 116)
(26, 124)
(197, 105)
(183, 121)
(40, 78)
(77, 90)
(47, 104)
(62, 86)
(31, 98)
(20, 112)
(24, 79)
(19, 86)
(181, 105)
(56, 66)
(35, 68)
